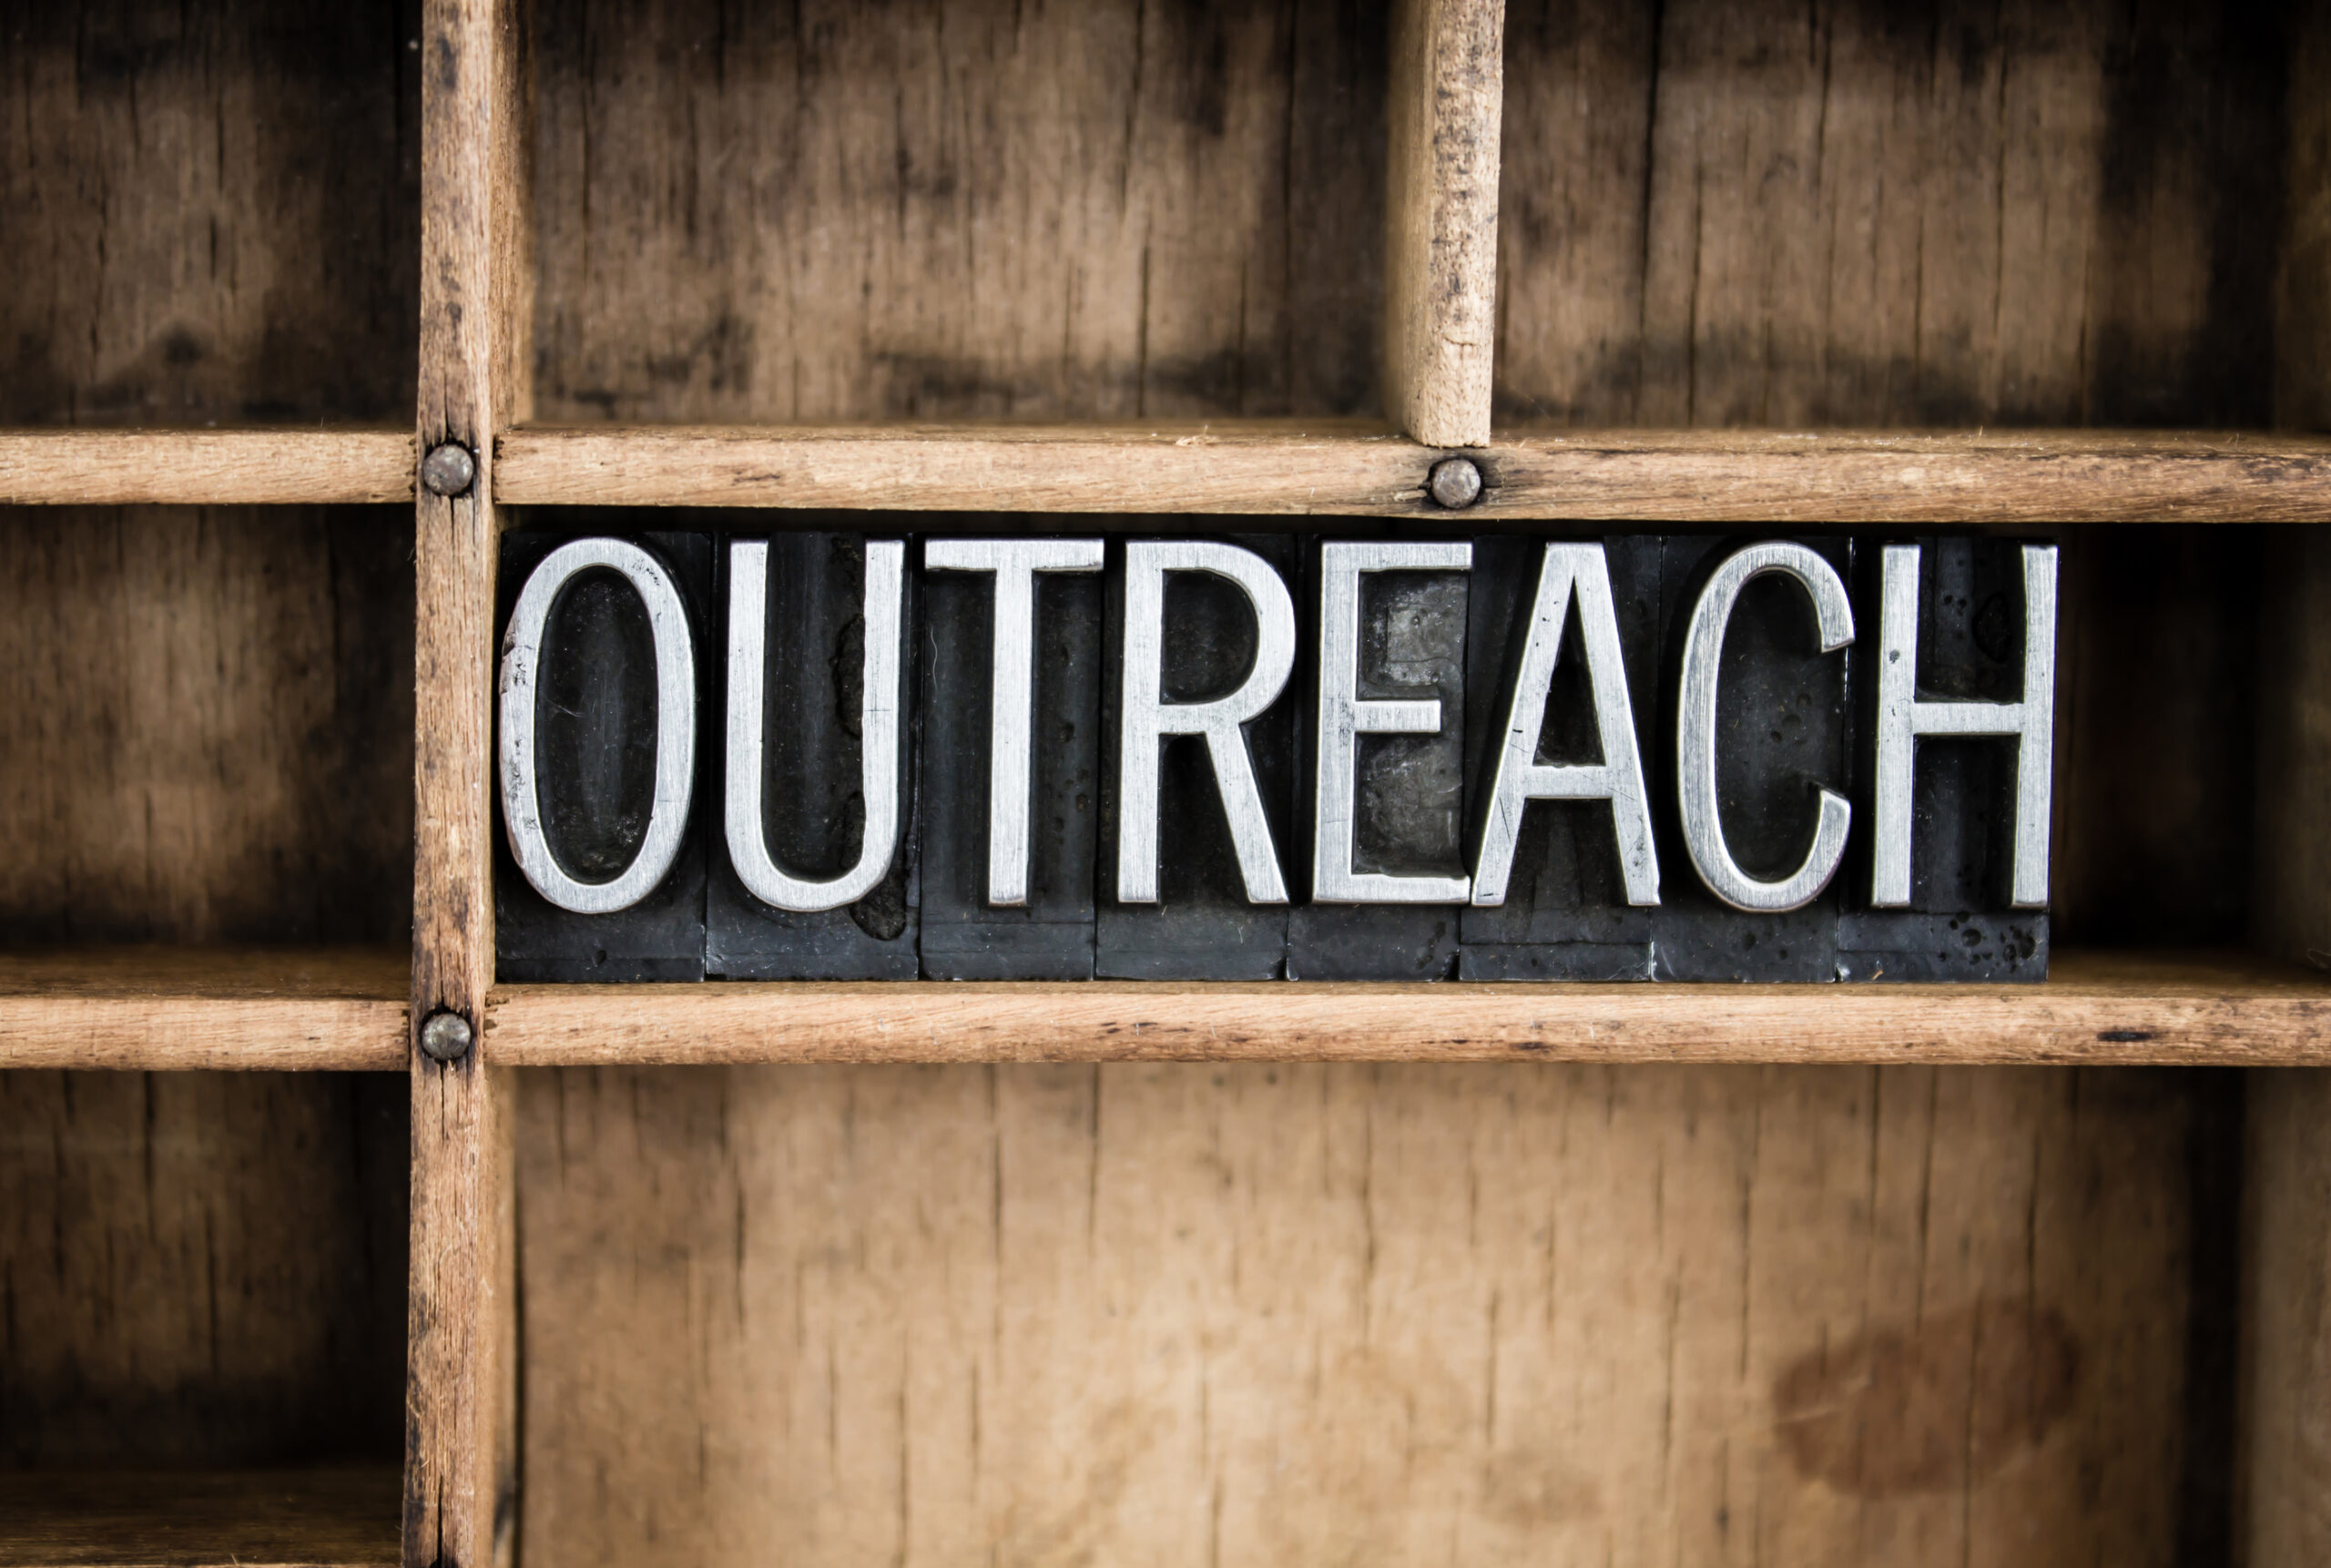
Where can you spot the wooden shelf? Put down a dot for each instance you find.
(2099, 1007)
(205, 467)
(161, 1008)
(1262, 467)
(250, 1519)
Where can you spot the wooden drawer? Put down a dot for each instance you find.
(1121, 1271)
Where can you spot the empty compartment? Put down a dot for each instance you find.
(1254, 1314)
(211, 736)
(1745, 212)
(957, 209)
(212, 212)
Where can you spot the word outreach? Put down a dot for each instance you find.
(834, 757)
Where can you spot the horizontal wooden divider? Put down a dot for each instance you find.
(1262, 466)
(2101, 1008)
(1358, 468)
(157, 1009)
(205, 467)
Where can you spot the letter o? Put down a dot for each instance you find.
(668, 818)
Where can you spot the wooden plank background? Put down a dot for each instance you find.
(1248, 1314)
(201, 1268)
(211, 211)
(1758, 212)
(1016, 208)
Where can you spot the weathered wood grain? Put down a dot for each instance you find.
(476, 308)
(204, 467)
(2095, 1008)
(210, 212)
(2288, 1237)
(1358, 468)
(207, 725)
(202, 1269)
(1753, 213)
(2287, 1327)
(1443, 101)
(979, 209)
(1256, 1314)
(224, 1519)
(240, 1009)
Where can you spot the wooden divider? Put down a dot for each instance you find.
(1445, 103)
(462, 1461)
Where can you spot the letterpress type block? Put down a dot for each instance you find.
(1384, 835)
(824, 772)
(1774, 730)
(1971, 647)
(1007, 885)
(1198, 758)
(592, 770)
(1565, 913)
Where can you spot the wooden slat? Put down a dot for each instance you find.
(157, 1009)
(249, 1519)
(1243, 466)
(2002, 476)
(2098, 1009)
(475, 308)
(1444, 100)
(1262, 467)
(204, 467)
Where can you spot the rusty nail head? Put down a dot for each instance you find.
(445, 1037)
(449, 469)
(1456, 483)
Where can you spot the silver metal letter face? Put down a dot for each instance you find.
(1344, 717)
(1695, 731)
(1146, 717)
(1902, 718)
(879, 713)
(1014, 563)
(522, 647)
(1521, 777)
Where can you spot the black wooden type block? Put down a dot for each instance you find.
(1410, 790)
(813, 801)
(1201, 927)
(1959, 925)
(1784, 726)
(1566, 915)
(1050, 937)
(595, 728)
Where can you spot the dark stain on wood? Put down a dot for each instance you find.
(1934, 1406)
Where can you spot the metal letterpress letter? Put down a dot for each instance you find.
(1014, 563)
(1146, 717)
(1521, 777)
(1343, 718)
(1695, 730)
(1902, 718)
(675, 725)
(880, 707)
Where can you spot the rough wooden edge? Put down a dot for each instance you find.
(204, 467)
(1647, 478)
(2012, 477)
(1445, 103)
(2100, 1011)
(176, 1033)
(461, 1458)
(159, 1009)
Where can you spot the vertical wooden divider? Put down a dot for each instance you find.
(476, 284)
(1447, 100)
